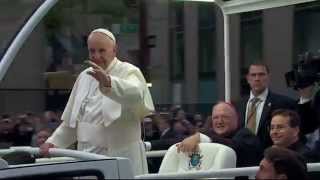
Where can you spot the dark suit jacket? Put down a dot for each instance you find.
(309, 114)
(310, 156)
(246, 145)
(166, 140)
(273, 101)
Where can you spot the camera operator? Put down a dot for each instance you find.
(303, 78)
(308, 107)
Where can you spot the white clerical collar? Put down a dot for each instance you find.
(111, 65)
(262, 96)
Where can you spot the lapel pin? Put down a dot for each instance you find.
(269, 104)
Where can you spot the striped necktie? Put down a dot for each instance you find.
(252, 113)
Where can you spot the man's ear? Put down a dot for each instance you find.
(115, 48)
(282, 176)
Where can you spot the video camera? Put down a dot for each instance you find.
(305, 73)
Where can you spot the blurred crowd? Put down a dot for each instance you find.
(32, 129)
(172, 124)
(27, 129)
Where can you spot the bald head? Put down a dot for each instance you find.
(101, 47)
(224, 119)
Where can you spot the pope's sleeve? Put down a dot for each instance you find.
(63, 136)
(128, 90)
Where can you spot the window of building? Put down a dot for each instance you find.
(306, 28)
(177, 40)
(250, 44)
(207, 39)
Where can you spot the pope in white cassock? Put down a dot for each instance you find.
(106, 105)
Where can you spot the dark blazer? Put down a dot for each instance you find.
(311, 156)
(166, 140)
(273, 101)
(309, 114)
(246, 145)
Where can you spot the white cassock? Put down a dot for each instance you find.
(107, 120)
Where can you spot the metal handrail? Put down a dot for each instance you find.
(159, 153)
(221, 173)
(56, 152)
(54, 160)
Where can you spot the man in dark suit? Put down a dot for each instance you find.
(256, 109)
(284, 132)
(308, 109)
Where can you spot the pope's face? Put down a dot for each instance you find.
(102, 49)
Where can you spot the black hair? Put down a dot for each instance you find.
(287, 162)
(258, 63)
(294, 119)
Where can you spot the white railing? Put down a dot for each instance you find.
(159, 153)
(313, 167)
(221, 173)
(64, 152)
(55, 152)
(54, 160)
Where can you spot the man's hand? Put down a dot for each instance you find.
(190, 144)
(44, 149)
(99, 74)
